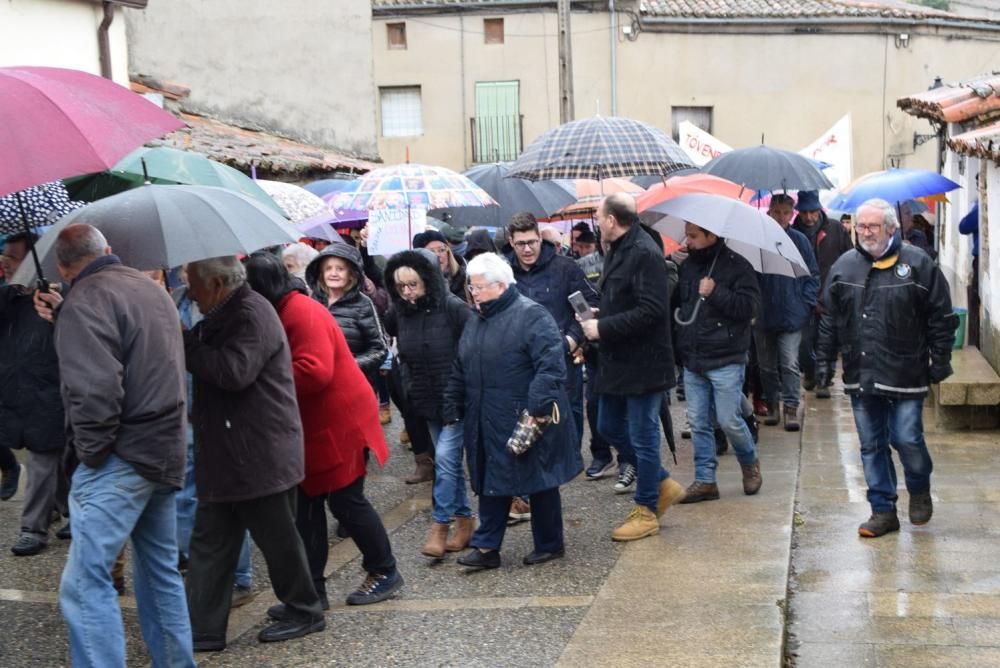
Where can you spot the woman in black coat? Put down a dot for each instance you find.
(510, 358)
(427, 321)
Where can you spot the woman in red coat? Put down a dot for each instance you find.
(340, 422)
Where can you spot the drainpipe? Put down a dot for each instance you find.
(614, 57)
(103, 42)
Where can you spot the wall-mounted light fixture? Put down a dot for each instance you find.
(902, 40)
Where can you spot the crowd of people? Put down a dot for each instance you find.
(236, 410)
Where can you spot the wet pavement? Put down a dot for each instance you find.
(778, 578)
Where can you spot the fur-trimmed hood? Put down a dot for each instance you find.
(425, 263)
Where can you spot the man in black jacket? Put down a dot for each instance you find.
(888, 311)
(636, 358)
(718, 296)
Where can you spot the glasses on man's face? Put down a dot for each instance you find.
(476, 289)
(408, 286)
(527, 244)
(868, 228)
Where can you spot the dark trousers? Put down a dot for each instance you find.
(972, 295)
(357, 516)
(215, 549)
(416, 427)
(7, 460)
(599, 447)
(546, 521)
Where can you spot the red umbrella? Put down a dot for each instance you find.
(691, 183)
(56, 123)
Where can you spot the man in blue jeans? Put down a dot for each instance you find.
(121, 362)
(718, 296)
(887, 310)
(636, 361)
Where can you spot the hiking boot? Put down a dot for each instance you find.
(520, 510)
(384, 414)
(808, 383)
(671, 492)
(28, 545)
(404, 437)
(773, 414)
(921, 508)
(241, 596)
(791, 418)
(640, 523)
(823, 392)
(700, 491)
(599, 468)
(376, 588)
(460, 536)
(423, 470)
(753, 426)
(626, 479)
(8, 482)
(721, 442)
(436, 539)
(879, 524)
(751, 478)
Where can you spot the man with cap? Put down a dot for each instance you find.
(829, 240)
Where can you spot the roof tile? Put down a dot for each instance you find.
(959, 102)
(787, 9)
(982, 142)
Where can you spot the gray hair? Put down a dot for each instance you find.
(227, 268)
(889, 218)
(78, 243)
(492, 267)
(301, 254)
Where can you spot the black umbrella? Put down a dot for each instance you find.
(765, 168)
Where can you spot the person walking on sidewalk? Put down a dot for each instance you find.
(717, 290)
(427, 321)
(121, 366)
(786, 305)
(887, 310)
(636, 360)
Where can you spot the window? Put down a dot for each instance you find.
(493, 31)
(699, 116)
(497, 127)
(396, 34)
(402, 115)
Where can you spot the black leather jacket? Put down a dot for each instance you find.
(889, 319)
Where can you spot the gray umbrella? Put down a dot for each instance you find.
(765, 168)
(160, 227)
(541, 198)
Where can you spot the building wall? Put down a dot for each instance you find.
(788, 88)
(60, 33)
(299, 68)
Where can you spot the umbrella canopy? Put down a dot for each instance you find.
(327, 186)
(157, 227)
(748, 231)
(600, 148)
(168, 166)
(296, 202)
(693, 183)
(766, 168)
(42, 205)
(589, 193)
(512, 195)
(892, 185)
(56, 123)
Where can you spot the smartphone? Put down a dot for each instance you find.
(580, 305)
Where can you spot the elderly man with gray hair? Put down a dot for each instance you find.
(888, 311)
(248, 455)
(121, 364)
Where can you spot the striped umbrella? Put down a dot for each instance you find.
(600, 148)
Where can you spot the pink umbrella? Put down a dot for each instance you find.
(56, 123)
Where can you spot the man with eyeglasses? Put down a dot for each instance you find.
(887, 310)
(31, 408)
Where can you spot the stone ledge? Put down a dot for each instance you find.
(974, 382)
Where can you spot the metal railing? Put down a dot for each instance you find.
(496, 138)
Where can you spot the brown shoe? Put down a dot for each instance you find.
(701, 491)
(459, 538)
(751, 478)
(773, 414)
(670, 493)
(640, 523)
(424, 470)
(520, 511)
(384, 415)
(435, 545)
(404, 437)
(791, 414)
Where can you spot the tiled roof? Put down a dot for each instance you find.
(972, 99)
(788, 9)
(982, 142)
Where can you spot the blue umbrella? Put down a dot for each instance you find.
(327, 186)
(892, 185)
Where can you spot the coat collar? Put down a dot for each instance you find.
(491, 308)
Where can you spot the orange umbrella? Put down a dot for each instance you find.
(691, 183)
(590, 192)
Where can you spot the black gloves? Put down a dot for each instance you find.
(940, 369)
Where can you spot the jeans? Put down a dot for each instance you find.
(634, 421)
(723, 388)
(882, 422)
(778, 356)
(599, 448)
(450, 497)
(546, 521)
(108, 505)
(187, 506)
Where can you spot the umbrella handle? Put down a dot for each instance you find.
(43, 285)
(694, 314)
